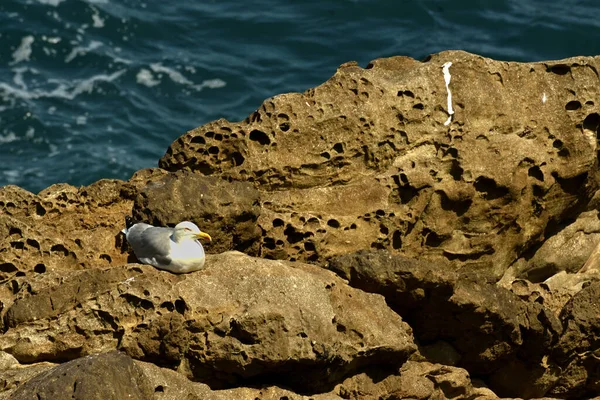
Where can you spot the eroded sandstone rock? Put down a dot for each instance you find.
(240, 319)
(489, 327)
(228, 211)
(518, 156)
(95, 377)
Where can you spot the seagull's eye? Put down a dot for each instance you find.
(187, 229)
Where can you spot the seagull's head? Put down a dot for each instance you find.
(187, 230)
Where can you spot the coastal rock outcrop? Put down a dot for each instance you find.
(393, 248)
(241, 319)
(367, 157)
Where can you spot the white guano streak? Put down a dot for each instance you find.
(446, 70)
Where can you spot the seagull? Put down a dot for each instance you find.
(173, 249)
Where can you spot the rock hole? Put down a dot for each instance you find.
(325, 155)
(536, 173)
(277, 222)
(284, 127)
(338, 147)
(452, 152)
(269, 243)
(106, 257)
(8, 267)
(456, 171)
(559, 69)
(238, 158)
(180, 306)
(573, 105)
(213, 150)
(564, 152)
(406, 93)
(159, 388)
(59, 248)
(489, 188)
(397, 240)
(380, 212)
(571, 185)
(260, 137)
(15, 231)
(292, 235)
(309, 246)
(384, 229)
(218, 137)
(146, 304)
(334, 223)
(353, 226)
(146, 292)
(33, 243)
(168, 305)
(432, 239)
(40, 210)
(209, 134)
(39, 268)
(458, 206)
(419, 106)
(538, 191)
(17, 245)
(558, 144)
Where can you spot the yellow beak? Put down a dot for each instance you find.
(203, 235)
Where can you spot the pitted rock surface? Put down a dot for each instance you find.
(577, 352)
(241, 318)
(415, 380)
(517, 158)
(568, 250)
(97, 377)
(62, 227)
(488, 326)
(228, 211)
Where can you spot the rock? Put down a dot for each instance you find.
(517, 159)
(568, 251)
(105, 376)
(415, 380)
(228, 211)
(241, 319)
(488, 326)
(61, 228)
(577, 350)
(14, 376)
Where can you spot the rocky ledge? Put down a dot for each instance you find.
(418, 230)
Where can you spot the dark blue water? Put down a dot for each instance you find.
(94, 89)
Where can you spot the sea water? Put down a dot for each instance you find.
(93, 89)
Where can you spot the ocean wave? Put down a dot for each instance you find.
(63, 90)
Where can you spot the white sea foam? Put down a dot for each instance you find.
(81, 120)
(63, 90)
(18, 78)
(97, 21)
(8, 137)
(53, 3)
(145, 77)
(174, 75)
(23, 52)
(79, 51)
(212, 84)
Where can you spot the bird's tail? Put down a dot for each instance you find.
(129, 222)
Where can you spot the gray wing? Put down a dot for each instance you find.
(150, 243)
